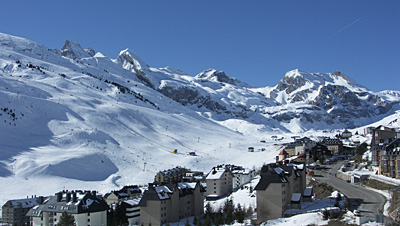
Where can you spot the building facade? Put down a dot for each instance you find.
(86, 207)
(276, 187)
(219, 182)
(170, 203)
(381, 137)
(14, 211)
(174, 175)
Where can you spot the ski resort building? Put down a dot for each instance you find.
(241, 175)
(132, 211)
(126, 193)
(170, 203)
(86, 207)
(219, 182)
(334, 145)
(276, 187)
(381, 137)
(174, 175)
(14, 211)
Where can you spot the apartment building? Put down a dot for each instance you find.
(381, 137)
(86, 207)
(219, 182)
(335, 145)
(276, 187)
(170, 203)
(14, 211)
(174, 175)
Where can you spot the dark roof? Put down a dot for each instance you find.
(268, 178)
(392, 145)
(150, 195)
(164, 192)
(85, 202)
(22, 203)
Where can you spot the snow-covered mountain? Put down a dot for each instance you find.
(76, 119)
(71, 119)
(331, 98)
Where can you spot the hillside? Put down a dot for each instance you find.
(76, 119)
(94, 123)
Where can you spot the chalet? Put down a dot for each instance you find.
(86, 207)
(171, 203)
(14, 211)
(219, 182)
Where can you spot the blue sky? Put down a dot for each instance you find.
(254, 41)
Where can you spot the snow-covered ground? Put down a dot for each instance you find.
(77, 121)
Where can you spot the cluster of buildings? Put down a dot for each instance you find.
(321, 148)
(385, 147)
(175, 194)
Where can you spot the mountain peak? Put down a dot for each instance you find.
(130, 57)
(214, 75)
(219, 76)
(72, 49)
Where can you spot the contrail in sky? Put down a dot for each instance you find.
(345, 27)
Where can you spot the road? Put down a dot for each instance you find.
(368, 202)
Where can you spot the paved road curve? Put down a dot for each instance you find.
(368, 202)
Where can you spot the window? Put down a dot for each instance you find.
(88, 220)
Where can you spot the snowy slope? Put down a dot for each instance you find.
(76, 119)
(91, 122)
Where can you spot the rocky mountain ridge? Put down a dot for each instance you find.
(310, 100)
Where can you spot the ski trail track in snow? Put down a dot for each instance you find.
(155, 131)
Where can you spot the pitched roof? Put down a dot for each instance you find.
(303, 155)
(164, 192)
(85, 202)
(283, 152)
(268, 178)
(23, 203)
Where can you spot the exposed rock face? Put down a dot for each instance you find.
(219, 76)
(72, 49)
(337, 99)
(131, 61)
